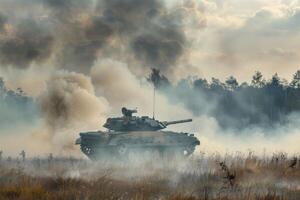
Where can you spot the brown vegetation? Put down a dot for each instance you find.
(199, 177)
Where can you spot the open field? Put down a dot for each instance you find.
(233, 176)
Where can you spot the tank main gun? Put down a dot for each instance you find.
(167, 123)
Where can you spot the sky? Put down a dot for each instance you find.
(241, 37)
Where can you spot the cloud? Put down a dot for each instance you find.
(266, 40)
(241, 38)
(24, 43)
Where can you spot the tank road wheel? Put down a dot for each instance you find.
(88, 151)
(163, 152)
(122, 150)
(188, 150)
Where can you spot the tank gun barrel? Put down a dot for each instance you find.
(177, 122)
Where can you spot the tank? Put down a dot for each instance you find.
(130, 133)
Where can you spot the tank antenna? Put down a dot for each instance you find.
(153, 101)
(154, 78)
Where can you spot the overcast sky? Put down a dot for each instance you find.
(243, 36)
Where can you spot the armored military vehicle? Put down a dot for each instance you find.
(131, 133)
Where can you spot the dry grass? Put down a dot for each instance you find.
(200, 177)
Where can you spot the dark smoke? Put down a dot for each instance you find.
(78, 40)
(29, 42)
(76, 33)
(130, 16)
(79, 55)
(157, 79)
(152, 36)
(64, 11)
(64, 5)
(56, 102)
(159, 49)
(56, 108)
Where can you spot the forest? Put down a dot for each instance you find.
(263, 103)
(15, 106)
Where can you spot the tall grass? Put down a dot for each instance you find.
(229, 177)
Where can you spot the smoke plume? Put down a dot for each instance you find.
(69, 105)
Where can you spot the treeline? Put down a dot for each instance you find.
(234, 105)
(15, 106)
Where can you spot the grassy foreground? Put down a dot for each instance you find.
(199, 177)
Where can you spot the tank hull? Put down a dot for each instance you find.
(97, 145)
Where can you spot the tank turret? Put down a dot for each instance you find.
(128, 122)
